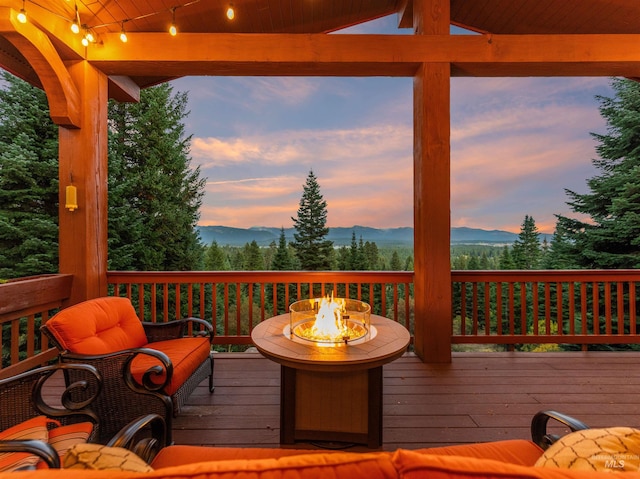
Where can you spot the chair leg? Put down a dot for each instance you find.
(211, 386)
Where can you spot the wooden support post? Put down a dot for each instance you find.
(432, 188)
(83, 164)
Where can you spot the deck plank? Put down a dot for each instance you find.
(478, 397)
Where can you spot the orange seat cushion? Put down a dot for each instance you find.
(414, 465)
(186, 354)
(177, 455)
(376, 465)
(514, 451)
(98, 326)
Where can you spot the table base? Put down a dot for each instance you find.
(331, 406)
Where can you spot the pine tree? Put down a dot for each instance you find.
(28, 181)
(562, 252)
(408, 263)
(506, 260)
(526, 249)
(353, 264)
(154, 194)
(344, 258)
(312, 249)
(474, 263)
(215, 258)
(282, 261)
(372, 255)
(282, 258)
(395, 262)
(253, 259)
(610, 238)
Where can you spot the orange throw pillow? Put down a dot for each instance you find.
(32, 429)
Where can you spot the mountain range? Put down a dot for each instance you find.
(226, 235)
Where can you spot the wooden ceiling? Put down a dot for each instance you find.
(209, 16)
(547, 16)
(318, 16)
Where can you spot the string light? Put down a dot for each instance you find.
(231, 12)
(173, 31)
(123, 34)
(22, 15)
(88, 36)
(75, 26)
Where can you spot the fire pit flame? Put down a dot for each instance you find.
(329, 323)
(329, 320)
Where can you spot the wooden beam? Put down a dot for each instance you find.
(35, 46)
(123, 89)
(432, 193)
(405, 14)
(83, 164)
(146, 54)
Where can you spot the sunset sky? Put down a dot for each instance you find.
(516, 144)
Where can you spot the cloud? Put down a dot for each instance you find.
(516, 145)
(304, 146)
(362, 172)
(278, 90)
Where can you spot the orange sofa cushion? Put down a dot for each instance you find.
(416, 465)
(98, 326)
(350, 465)
(514, 451)
(177, 455)
(186, 354)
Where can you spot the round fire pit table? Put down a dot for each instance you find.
(331, 393)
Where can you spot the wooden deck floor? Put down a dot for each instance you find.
(478, 397)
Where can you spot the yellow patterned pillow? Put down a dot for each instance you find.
(98, 457)
(611, 449)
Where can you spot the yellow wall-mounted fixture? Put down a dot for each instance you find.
(71, 198)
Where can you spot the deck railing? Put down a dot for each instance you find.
(235, 301)
(25, 303)
(564, 307)
(579, 307)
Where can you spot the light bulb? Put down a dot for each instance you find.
(123, 36)
(173, 31)
(22, 16)
(89, 37)
(85, 41)
(231, 13)
(75, 26)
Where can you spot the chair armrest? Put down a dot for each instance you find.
(539, 434)
(126, 357)
(176, 329)
(43, 450)
(144, 436)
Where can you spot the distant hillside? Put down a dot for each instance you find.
(225, 235)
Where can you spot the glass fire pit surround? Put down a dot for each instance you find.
(330, 320)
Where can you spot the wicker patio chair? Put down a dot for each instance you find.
(146, 367)
(34, 394)
(22, 400)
